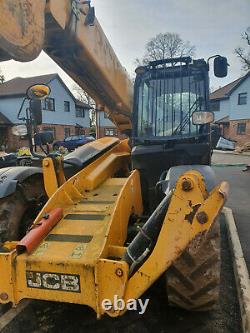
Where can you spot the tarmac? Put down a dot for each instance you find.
(239, 194)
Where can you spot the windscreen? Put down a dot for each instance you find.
(167, 100)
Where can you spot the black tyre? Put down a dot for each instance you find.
(194, 278)
(19, 210)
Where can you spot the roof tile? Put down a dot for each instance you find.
(224, 92)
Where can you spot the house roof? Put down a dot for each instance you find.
(4, 120)
(19, 85)
(81, 104)
(223, 120)
(225, 92)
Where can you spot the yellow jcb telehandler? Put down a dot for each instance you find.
(113, 216)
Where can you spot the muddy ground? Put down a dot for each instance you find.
(54, 317)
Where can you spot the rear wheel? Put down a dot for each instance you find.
(193, 279)
(18, 211)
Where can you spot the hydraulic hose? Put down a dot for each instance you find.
(144, 242)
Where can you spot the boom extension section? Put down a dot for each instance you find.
(71, 35)
(83, 258)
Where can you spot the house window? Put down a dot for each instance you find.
(66, 132)
(242, 98)
(80, 112)
(215, 106)
(110, 132)
(241, 128)
(49, 104)
(66, 106)
(50, 129)
(106, 115)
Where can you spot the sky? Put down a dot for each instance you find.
(213, 26)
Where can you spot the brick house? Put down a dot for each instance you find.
(105, 127)
(62, 112)
(231, 107)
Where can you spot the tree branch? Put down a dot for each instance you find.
(247, 38)
(241, 53)
(245, 59)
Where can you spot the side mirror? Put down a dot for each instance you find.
(36, 111)
(220, 66)
(35, 94)
(43, 138)
(38, 92)
(202, 117)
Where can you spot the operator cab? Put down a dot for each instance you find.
(171, 118)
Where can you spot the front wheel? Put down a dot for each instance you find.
(193, 279)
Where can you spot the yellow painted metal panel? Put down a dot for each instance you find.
(67, 257)
(21, 29)
(111, 279)
(179, 228)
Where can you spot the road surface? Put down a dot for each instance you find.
(239, 196)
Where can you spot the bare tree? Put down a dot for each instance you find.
(167, 45)
(84, 97)
(244, 54)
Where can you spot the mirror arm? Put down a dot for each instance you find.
(43, 150)
(212, 57)
(20, 110)
(34, 154)
(29, 128)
